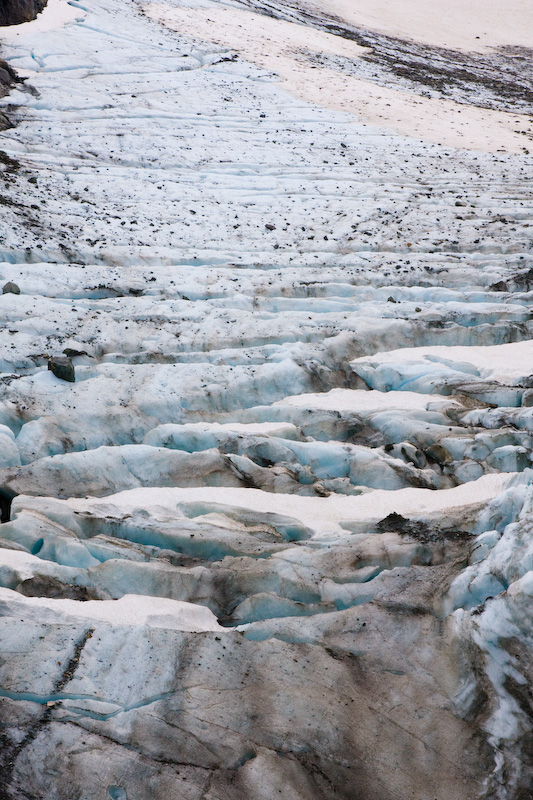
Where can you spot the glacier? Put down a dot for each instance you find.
(274, 540)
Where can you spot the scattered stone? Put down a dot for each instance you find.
(63, 368)
(11, 288)
(439, 454)
(394, 522)
(70, 352)
(499, 286)
(418, 529)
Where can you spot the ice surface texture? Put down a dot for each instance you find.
(274, 541)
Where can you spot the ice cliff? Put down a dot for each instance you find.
(274, 540)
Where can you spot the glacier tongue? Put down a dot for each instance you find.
(274, 540)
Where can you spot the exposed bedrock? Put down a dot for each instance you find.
(14, 12)
(8, 80)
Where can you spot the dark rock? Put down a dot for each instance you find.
(419, 530)
(13, 12)
(63, 368)
(395, 522)
(8, 76)
(47, 586)
(11, 164)
(499, 286)
(11, 288)
(438, 454)
(70, 352)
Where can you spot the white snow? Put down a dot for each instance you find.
(506, 364)
(472, 25)
(128, 610)
(323, 515)
(281, 47)
(360, 401)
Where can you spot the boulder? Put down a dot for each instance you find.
(63, 368)
(11, 288)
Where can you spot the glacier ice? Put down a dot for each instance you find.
(275, 541)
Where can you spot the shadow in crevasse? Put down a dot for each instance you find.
(6, 498)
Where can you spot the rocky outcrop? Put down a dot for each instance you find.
(13, 12)
(8, 78)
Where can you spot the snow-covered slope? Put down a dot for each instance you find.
(274, 540)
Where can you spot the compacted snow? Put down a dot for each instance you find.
(273, 541)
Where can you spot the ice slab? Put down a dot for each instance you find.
(154, 612)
